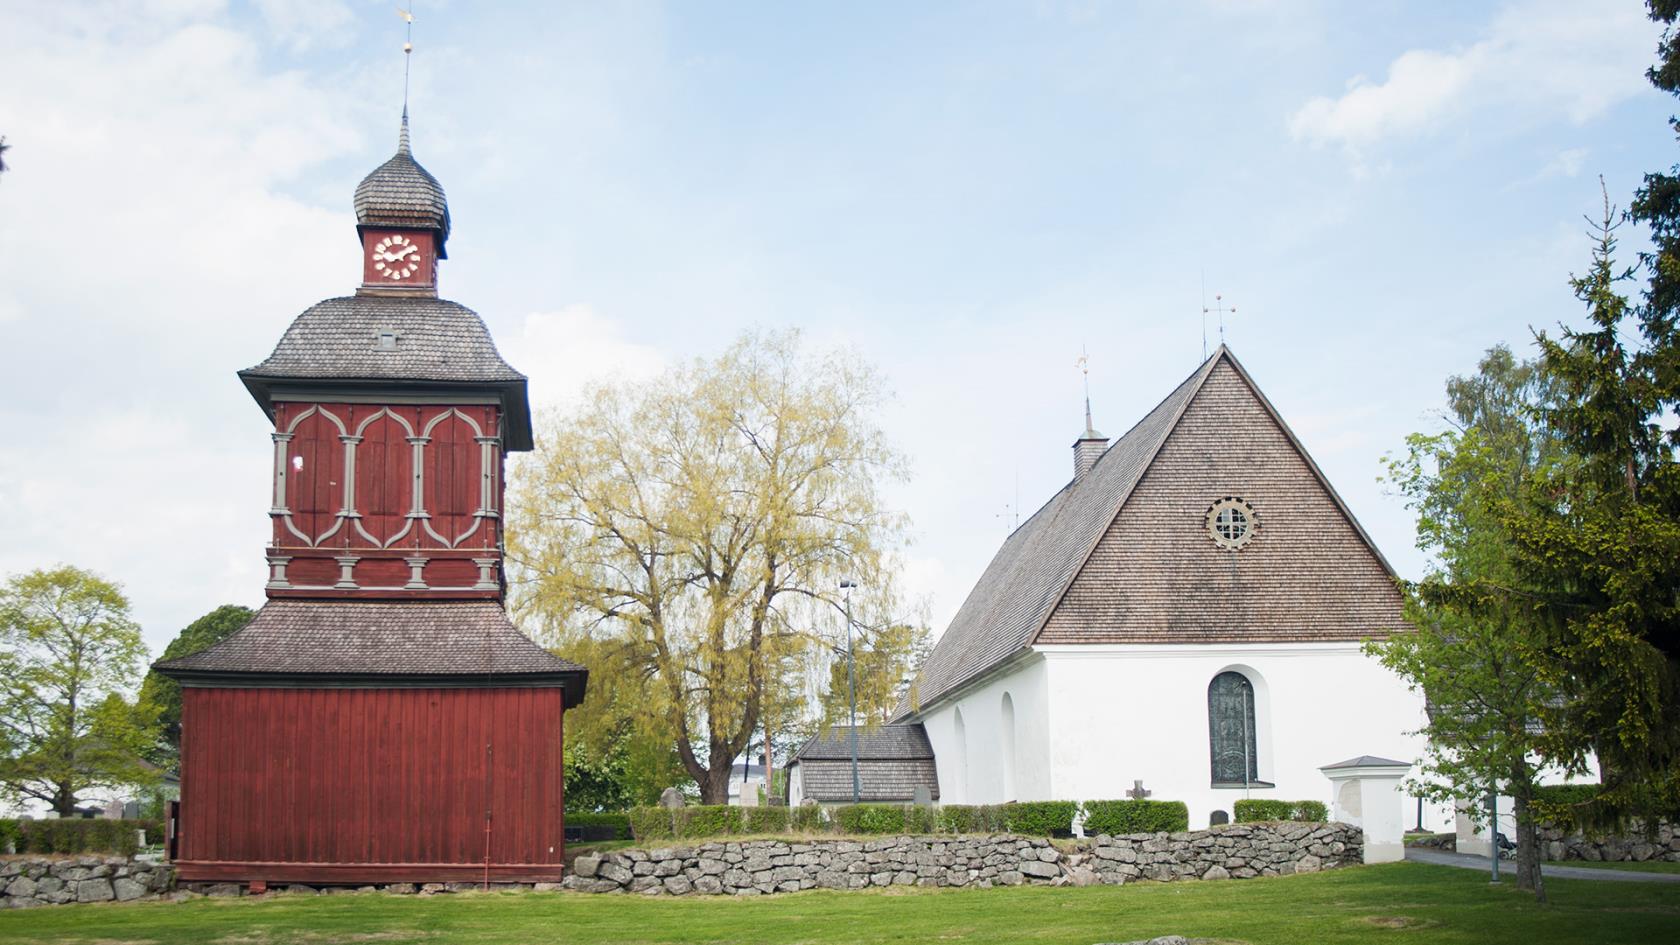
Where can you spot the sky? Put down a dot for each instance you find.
(968, 194)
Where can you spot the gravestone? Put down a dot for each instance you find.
(671, 799)
(1218, 818)
(922, 797)
(1138, 793)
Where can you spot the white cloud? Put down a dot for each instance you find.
(148, 249)
(565, 352)
(1546, 58)
(309, 24)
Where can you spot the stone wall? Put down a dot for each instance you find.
(1556, 844)
(759, 867)
(48, 881)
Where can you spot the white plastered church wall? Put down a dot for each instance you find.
(1135, 712)
(967, 733)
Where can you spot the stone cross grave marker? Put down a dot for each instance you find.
(1137, 793)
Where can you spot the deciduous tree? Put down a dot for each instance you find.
(163, 694)
(72, 654)
(686, 538)
(1479, 650)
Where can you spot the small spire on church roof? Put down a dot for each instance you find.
(402, 136)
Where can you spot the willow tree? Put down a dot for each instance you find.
(686, 538)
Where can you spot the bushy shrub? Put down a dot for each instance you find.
(872, 818)
(709, 821)
(78, 835)
(1253, 810)
(1040, 818)
(605, 826)
(806, 818)
(1135, 816)
(967, 818)
(652, 823)
(1316, 812)
(764, 819)
(1555, 804)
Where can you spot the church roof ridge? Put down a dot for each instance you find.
(1030, 572)
(1029, 576)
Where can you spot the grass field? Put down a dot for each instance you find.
(1399, 902)
(1649, 866)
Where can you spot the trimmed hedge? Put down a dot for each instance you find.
(1253, 810)
(78, 835)
(1040, 818)
(1033, 818)
(1122, 817)
(606, 826)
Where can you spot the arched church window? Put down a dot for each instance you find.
(1231, 731)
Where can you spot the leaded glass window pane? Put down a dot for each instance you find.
(1231, 729)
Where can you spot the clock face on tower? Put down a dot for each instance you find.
(395, 257)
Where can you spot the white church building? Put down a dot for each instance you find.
(1187, 612)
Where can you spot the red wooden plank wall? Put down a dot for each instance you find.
(371, 776)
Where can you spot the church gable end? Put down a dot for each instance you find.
(1305, 573)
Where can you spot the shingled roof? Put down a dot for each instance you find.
(1029, 578)
(299, 642)
(436, 342)
(1026, 578)
(402, 193)
(903, 742)
(893, 761)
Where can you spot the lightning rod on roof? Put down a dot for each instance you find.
(408, 47)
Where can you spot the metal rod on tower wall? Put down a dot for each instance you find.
(851, 684)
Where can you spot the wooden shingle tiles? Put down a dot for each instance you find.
(377, 640)
(1308, 574)
(402, 193)
(1122, 554)
(436, 340)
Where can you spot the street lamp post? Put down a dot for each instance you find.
(851, 684)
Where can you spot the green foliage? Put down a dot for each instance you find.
(872, 818)
(619, 823)
(885, 657)
(1040, 818)
(806, 818)
(652, 823)
(78, 835)
(163, 695)
(1252, 810)
(709, 821)
(685, 537)
(1135, 816)
(70, 653)
(772, 820)
(965, 818)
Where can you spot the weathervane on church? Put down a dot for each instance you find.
(1218, 306)
(408, 47)
(1083, 363)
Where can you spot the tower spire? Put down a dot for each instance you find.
(402, 136)
(1084, 365)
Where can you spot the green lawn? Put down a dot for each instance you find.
(1399, 902)
(1649, 866)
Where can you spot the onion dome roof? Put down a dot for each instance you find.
(402, 193)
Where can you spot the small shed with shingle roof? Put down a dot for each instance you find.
(894, 761)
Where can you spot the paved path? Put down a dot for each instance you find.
(1466, 861)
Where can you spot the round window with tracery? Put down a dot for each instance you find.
(1231, 523)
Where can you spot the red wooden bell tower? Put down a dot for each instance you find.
(381, 719)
